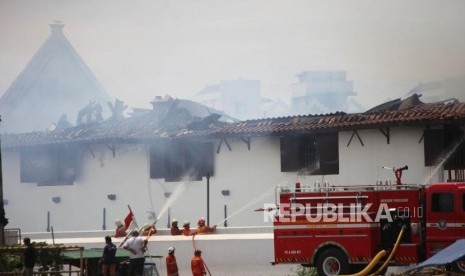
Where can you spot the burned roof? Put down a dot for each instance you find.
(415, 114)
(181, 122)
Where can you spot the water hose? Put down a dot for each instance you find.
(378, 257)
(393, 251)
(151, 231)
(371, 265)
(125, 239)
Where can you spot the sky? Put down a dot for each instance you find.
(140, 49)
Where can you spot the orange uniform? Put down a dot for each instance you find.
(186, 228)
(198, 266)
(186, 231)
(171, 265)
(150, 230)
(120, 231)
(204, 229)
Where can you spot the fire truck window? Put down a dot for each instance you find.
(442, 202)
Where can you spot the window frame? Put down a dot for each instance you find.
(49, 165)
(438, 204)
(315, 154)
(179, 161)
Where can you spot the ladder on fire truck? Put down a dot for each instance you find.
(329, 191)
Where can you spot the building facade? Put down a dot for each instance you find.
(164, 164)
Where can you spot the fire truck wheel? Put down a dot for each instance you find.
(458, 266)
(332, 261)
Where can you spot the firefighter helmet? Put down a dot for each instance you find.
(170, 250)
(186, 223)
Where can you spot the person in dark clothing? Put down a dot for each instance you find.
(29, 257)
(109, 258)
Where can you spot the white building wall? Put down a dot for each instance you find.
(249, 175)
(364, 164)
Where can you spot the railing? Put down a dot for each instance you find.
(36, 272)
(456, 175)
(328, 189)
(18, 251)
(336, 188)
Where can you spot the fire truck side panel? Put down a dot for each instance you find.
(407, 211)
(445, 222)
(461, 212)
(358, 222)
(407, 254)
(300, 243)
(301, 232)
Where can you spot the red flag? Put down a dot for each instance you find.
(129, 218)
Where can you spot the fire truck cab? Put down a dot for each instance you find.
(340, 229)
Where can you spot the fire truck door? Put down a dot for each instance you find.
(461, 216)
(442, 219)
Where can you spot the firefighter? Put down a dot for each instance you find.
(202, 228)
(120, 229)
(149, 229)
(171, 264)
(174, 228)
(197, 264)
(186, 228)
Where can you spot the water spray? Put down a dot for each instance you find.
(172, 197)
(261, 197)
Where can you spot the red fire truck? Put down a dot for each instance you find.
(339, 229)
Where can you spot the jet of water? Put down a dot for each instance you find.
(250, 203)
(172, 198)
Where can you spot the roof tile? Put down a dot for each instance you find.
(146, 128)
